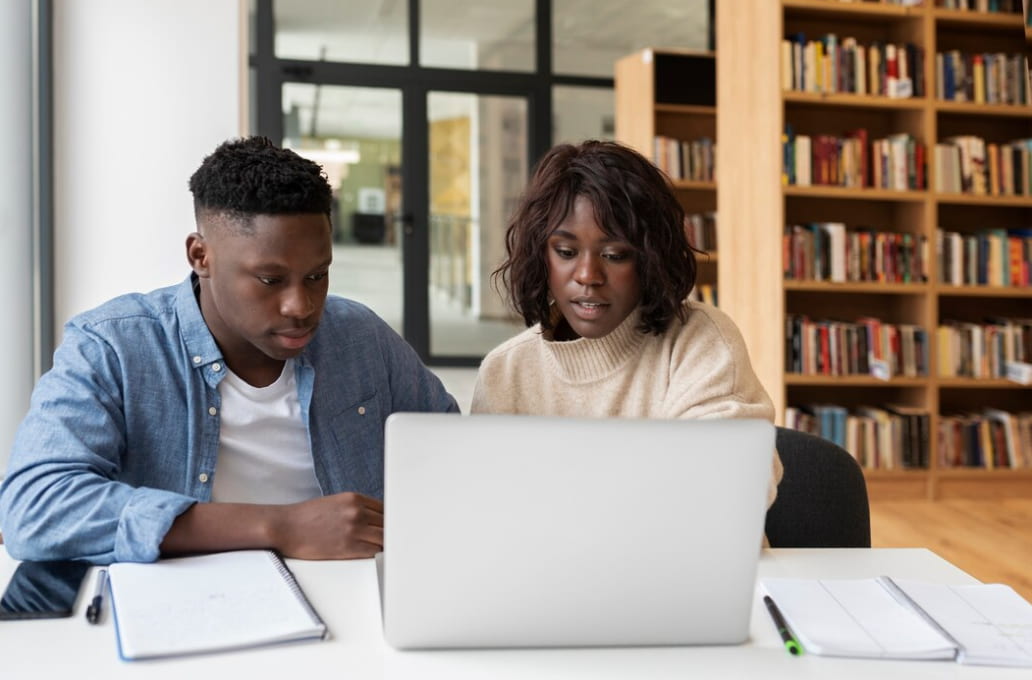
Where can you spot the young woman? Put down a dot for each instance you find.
(599, 268)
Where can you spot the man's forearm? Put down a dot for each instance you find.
(339, 526)
(214, 527)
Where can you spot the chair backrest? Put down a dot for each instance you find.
(822, 498)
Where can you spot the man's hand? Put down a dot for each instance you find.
(341, 526)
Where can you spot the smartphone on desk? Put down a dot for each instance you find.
(43, 590)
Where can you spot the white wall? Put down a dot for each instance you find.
(142, 92)
(15, 218)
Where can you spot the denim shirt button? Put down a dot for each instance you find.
(212, 410)
(361, 410)
(216, 367)
(197, 360)
(203, 477)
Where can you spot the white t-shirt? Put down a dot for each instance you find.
(264, 453)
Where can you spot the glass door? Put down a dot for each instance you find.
(424, 122)
(423, 259)
(355, 134)
(477, 166)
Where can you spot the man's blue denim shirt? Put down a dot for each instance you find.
(122, 433)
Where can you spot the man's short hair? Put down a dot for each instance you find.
(252, 176)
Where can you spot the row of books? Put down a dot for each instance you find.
(991, 439)
(701, 230)
(988, 257)
(868, 346)
(704, 292)
(1008, 6)
(968, 349)
(895, 162)
(831, 65)
(969, 164)
(887, 437)
(894, 436)
(685, 159)
(981, 78)
(828, 251)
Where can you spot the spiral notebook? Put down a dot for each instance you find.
(208, 603)
(982, 624)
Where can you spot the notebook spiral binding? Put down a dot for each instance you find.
(295, 587)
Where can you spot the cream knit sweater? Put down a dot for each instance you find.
(697, 369)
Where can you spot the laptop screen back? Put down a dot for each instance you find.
(531, 531)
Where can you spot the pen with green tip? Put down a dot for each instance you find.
(791, 644)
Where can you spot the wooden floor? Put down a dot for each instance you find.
(989, 539)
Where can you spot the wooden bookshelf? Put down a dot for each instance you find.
(945, 290)
(844, 10)
(854, 100)
(1000, 110)
(1027, 8)
(979, 21)
(853, 381)
(860, 287)
(750, 119)
(671, 93)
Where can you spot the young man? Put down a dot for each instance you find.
(242, 408)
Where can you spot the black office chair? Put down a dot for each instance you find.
(822, 498)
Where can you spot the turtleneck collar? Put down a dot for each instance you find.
(586, 359)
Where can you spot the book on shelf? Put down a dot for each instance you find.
(991, 6)
(982, 78)
(832, 65)
(893, 162)
(826, 160)
(824, 420)
(886, 437)
(968, 164)
(969, 349)
(685, 159)
(898, 162)
(883, 449)
(989, 257)
(891, 618)
(868, 346)
(990, 439)
(1019, 372)
(830, 251)
(916, 427)
(208, 603)
(1006, 438)
(797, 152)
(701, 230)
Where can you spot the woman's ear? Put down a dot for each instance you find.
(197, 254)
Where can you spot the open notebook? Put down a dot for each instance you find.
(209, 603)
(984, 624)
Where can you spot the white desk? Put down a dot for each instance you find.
(346, 595)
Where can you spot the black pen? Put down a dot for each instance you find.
(791, 644)
(93, 611)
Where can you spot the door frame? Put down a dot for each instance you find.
(269, 73)
(415, 85)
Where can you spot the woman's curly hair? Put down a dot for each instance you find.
(633, 201)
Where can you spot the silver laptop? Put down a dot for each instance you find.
(527, 531)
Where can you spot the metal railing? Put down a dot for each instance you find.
(451, 257)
